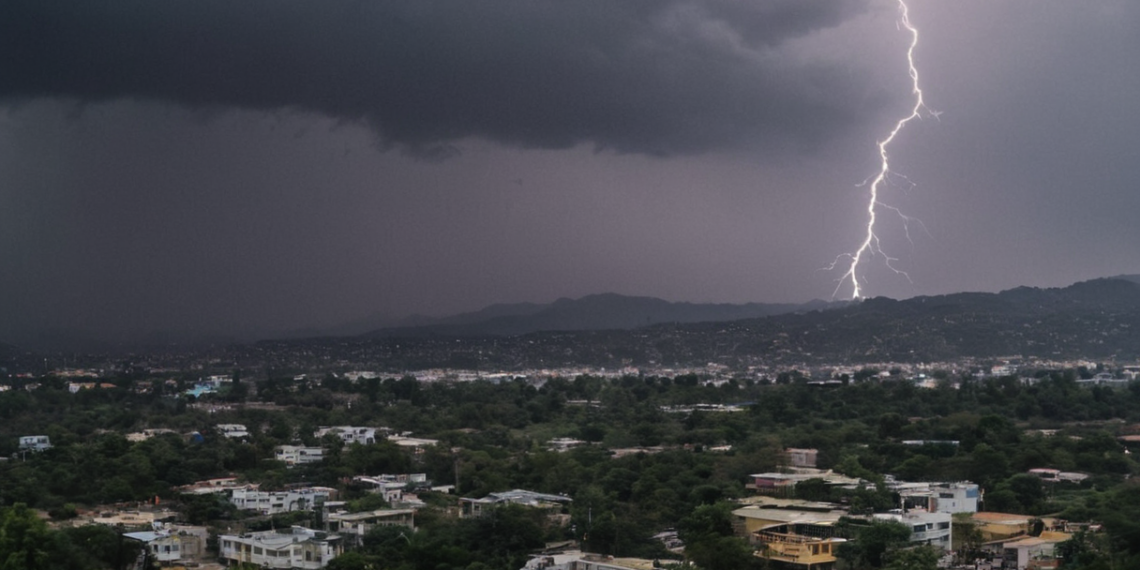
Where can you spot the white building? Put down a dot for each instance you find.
(35, 443)
(350, 434)
(273, 502)
(929, 528)
(960, 497)
(298, 547)
(172, 544)
(233, 431)
(298, 454)
(391, 487)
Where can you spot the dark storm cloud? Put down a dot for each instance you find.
(647, 76)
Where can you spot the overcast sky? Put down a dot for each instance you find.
(249, 167)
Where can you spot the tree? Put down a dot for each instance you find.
(917, 558)
(23, 539)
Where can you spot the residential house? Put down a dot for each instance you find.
(392, 487)
(298, 454)
(957, 497)
(354, 526)
(297, 547)
(35, 443)
(173, 544)
(233, 431)
(782, 483)
(351, 434)
(475, 507)
(928, 528)
(1000, 526)
(801, 457)
(273, 502)
(585, 561)
(1032, 551)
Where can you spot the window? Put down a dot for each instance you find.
(943, 525)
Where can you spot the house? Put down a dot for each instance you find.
(475, 507)
(791, 550)
(927, 528)
(219, 485)
(783, 483)
(297, 547)
(354, 526)
(297, 454)
(392, 487)
(1058, 476)
(752, 519)
(274, 502)
(350, 434)
(146, 434)
(585, 561)
(1000, 526)
(801, 457)
(173, 544)
(35, 443)
(1032, 551)
(958, 497)
(233, 431)
(563, 444)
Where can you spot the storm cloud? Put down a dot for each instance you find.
(645, 76)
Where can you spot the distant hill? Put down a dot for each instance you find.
(593, 312)
(1091, 319)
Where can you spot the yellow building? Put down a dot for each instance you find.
(789, 550)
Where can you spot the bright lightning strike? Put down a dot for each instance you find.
(870, 244)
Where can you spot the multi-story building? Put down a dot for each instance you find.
(273, 502)
(298, 547)
(961, 497)
(934, 529)
(298, 454)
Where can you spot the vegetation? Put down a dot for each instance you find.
(493, 437)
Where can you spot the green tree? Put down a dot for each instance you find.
(24, 539)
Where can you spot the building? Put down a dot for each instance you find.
(273, 502)
(353, 526)
(783, 483)
(1000, 526)
(1058, 476)
(173, 544)
(585, 561)
(35, 443)
(564, 444)
(297, 547)
(350, 434)
(475, 507)
(814, 519)
(961, 497)
(1032, 552)
(219, 485)
(801, 457)
(392, 487)
(927, 528)
(233, 431)
(790, 550)
(292, 455)
(792, 533)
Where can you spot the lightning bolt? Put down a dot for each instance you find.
(870, 244)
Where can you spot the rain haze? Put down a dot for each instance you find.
(244, 169)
